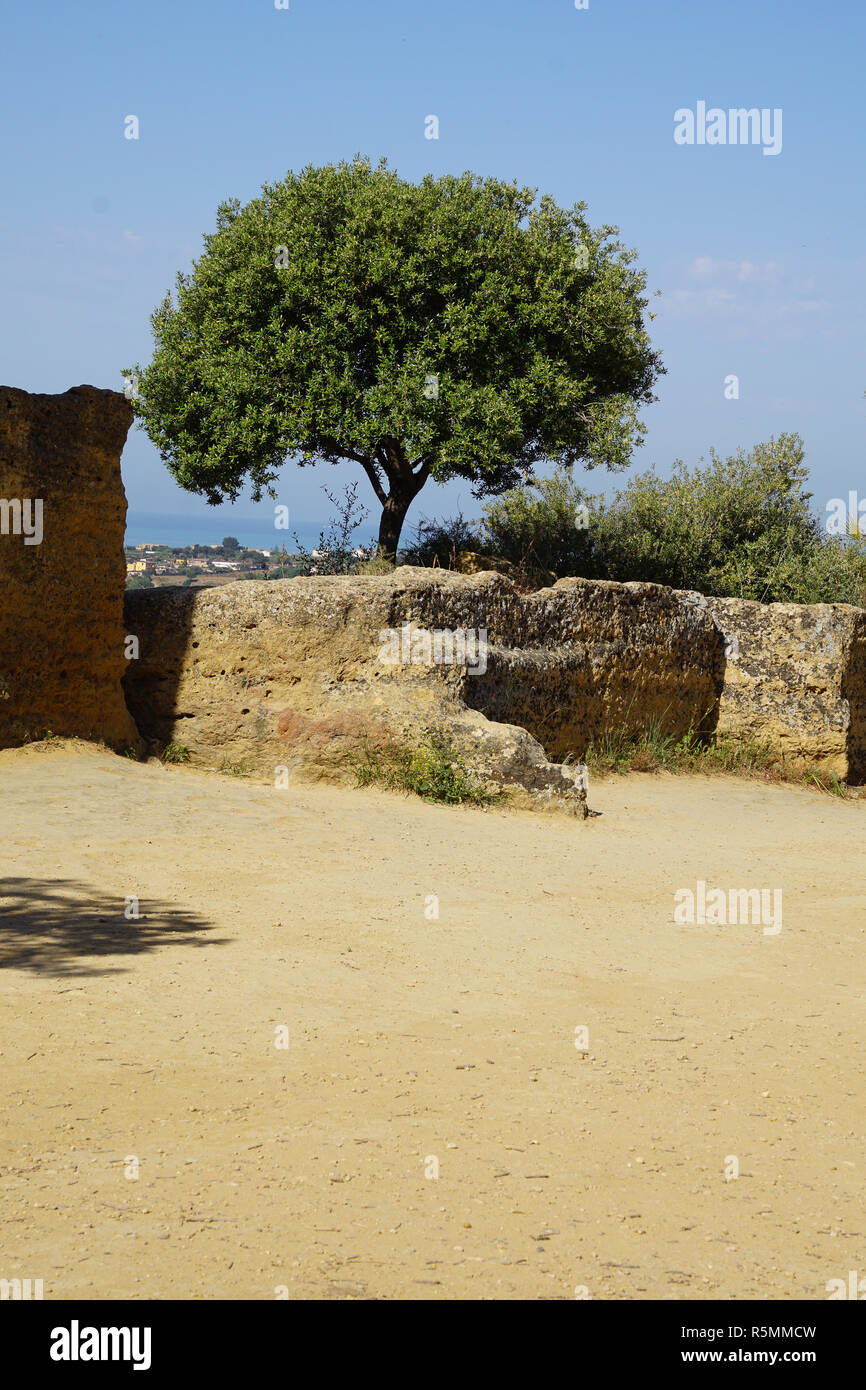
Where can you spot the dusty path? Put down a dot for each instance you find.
(413, 1039)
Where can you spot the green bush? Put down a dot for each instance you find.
(549, 524)
(335, 553)
(432, 769)
(175, 753)
(740, 527)
(438, 542)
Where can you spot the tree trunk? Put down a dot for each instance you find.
(391, 524)
(405, 482)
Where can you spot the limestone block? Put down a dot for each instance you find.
(61, 587)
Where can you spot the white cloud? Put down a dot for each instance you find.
(705, 268)
(699, 301)
(749, 295)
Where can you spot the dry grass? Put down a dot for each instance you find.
(651, 750)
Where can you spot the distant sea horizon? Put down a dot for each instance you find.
(167, 528)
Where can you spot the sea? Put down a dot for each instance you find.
(254, 533)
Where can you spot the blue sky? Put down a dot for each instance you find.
(760, 259)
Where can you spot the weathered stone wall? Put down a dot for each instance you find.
(795, 677)
(287, 673)
(591, 658)
(61, 599)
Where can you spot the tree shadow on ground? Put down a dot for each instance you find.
(53, 926)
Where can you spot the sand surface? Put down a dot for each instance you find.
(416, 1042)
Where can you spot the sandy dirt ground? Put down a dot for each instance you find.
(419, 1044)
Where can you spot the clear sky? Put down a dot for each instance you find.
(760, 258)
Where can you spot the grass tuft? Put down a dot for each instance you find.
(175, 753)
(432, 769)
(230, 769)
(651, 750)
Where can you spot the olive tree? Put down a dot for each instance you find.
(459, 327)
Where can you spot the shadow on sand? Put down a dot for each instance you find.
(62, 927)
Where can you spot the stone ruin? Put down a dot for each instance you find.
(62, 567)
(294, 676)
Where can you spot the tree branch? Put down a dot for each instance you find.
(340, 451)
(422, 474)
(369, 468)
(399, 464)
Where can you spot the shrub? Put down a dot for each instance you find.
(175, 753)
(336, 551)
(432, 769)
(739, 527)
(742, 527)
(549, 523)
(439, 542)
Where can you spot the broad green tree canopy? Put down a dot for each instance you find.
(456, 328)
